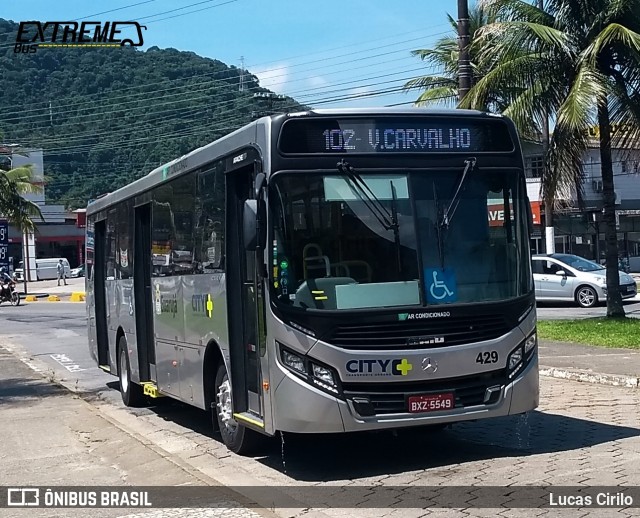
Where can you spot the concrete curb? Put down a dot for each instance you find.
(76, 296)
(616, 380)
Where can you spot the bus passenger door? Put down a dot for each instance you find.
(100, 295)
(247, 345)
(142, 289)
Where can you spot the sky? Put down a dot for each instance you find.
(313, 51)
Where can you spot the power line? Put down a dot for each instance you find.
(23, 113)
(191, 12)
(114, 10)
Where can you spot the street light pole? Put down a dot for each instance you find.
(464, 60)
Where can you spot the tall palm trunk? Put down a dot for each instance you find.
(614, 299)
(549, 230)
(547, 192)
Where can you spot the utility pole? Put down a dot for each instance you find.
(464, 61)
(549, 230)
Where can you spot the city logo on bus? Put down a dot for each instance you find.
(34, 34)
(202, 303)
(377, 367)
(420, 316)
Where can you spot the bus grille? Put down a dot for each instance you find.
(419, 334)
(391, 398)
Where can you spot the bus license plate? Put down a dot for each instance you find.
(431, 402)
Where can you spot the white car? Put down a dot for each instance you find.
(569, 277)
(78, 272)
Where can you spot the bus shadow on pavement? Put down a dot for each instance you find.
(366, 454)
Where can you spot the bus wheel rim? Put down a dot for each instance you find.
(124, 374)
(224, 406)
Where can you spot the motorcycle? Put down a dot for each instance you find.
(9, 294)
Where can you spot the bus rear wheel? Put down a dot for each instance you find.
(235, 436)
(132, 393)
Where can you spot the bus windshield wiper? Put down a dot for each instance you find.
(447, 216)
(387, 219)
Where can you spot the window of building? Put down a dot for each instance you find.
(534, 166)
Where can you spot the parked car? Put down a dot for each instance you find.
(45, 269)
(78, 272)
(570, 277)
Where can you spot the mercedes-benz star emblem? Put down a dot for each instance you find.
(429, 366)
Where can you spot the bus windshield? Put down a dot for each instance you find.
(338, 245)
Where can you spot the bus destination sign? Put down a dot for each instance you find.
(410, 135)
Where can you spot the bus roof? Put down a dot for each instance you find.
(257, 133)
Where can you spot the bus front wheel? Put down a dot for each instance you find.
(235, 436)
(132, 393)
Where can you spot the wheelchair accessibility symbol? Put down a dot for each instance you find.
(441, 285)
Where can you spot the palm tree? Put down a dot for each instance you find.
(18, 211)
(443, 58)
(580, 62)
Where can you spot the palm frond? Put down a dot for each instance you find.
(447, 95)
(613, 35)
(577, 110)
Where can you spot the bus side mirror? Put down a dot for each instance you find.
(254, 224)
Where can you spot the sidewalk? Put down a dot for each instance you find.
(619, 367)
(43, 288)
(52, 438)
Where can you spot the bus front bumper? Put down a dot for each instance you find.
(302, 408)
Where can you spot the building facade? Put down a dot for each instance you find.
(580, 231)
(59, 233)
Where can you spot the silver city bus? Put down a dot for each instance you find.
(324, 271)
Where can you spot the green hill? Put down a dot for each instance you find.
(106, 116)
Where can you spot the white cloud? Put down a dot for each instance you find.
(317, 82)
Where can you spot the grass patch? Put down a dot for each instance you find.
(605, 332)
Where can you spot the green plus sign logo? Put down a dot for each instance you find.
(401, 367)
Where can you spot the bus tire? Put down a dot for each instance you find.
(132, 393)
(236, 437)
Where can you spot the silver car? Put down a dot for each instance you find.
(569, 277)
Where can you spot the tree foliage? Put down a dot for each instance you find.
(14, 184)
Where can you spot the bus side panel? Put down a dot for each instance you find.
(126, 320)
(205, 320)
(168, 324)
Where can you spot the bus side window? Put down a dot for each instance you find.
(210, 224)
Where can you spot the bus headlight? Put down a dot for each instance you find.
(293, 361)
(311, 371)
(514, 359)
(530, 342)
(322, 373)
(521, 355)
